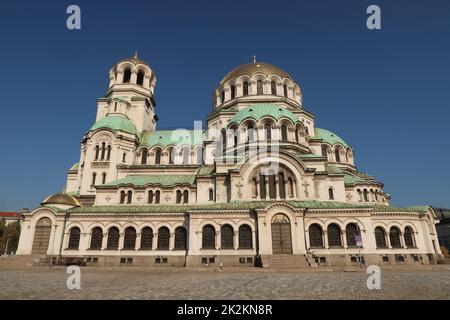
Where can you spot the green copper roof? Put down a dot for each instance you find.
(261, 110)
(206, 170)
(75, 166)
(161, 208)
(164, 138)
(328, 136)
(140, 181)
(116, 123)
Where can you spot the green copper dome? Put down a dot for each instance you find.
(116, 123)
(261, 110)
(328, 136)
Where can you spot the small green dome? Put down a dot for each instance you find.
(261, 110)
(75, 166)
(328, 137)
(116, 123)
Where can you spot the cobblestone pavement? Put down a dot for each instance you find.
(139, 283)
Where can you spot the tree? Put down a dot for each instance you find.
(10, 237)
(2, 226)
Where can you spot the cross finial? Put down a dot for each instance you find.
(135, 54)
(254, 58)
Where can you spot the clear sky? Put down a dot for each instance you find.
(386, 92)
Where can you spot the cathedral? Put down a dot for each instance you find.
(258, 185)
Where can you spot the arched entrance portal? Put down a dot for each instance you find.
(281, 235)
(42, 236)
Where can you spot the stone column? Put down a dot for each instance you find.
(172, 241)
(325, 239)
(138, 241)
(155, 241)
(236, 239)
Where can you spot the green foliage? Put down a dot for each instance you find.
(10, 236)
(2, 226)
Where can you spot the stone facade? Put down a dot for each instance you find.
(260, 186)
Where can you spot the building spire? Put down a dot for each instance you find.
(254, 58)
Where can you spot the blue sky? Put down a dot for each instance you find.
(385, 92)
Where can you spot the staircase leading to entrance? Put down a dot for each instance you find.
(288, 261)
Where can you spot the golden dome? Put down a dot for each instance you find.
(61, 198)
(256, 67)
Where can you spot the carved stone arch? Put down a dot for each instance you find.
(103, 135)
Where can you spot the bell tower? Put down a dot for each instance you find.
(130, 94)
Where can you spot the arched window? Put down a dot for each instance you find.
(208, 237)
(74, 238)
(272, 187)
(254, 187)
(97, 151)
(129, 241)
(185, 196)
(334, 235)
(158, 157)
(144, 156)
(307, 132)
(325, 152)
(262, 186)
(199, 155)
(102, 157)
(273, 88)
(337, 155)
(127, 75)
(360, 197)
(226, 237)
(245, 237)
(186, 154)
(330, 194)
(103, 178)
(351, 231)
(268, 131)
(171, 153)
(409, 237)
(140, 78)
(129, 196)
(285, 93)
(94, 176)
(115, 106)
(394, 237)
(96, 238)
(146, 238)
(284, 132)
(124, 157)
(210, 195)
(315, 236)
(380, 238)
(122, 197)
(157, 196)
(108, 152)
(224, 141)
(178, 198)
(366, 195)
(297, 135)
(113, 239)
(163, 238)
(245, 88)
(223, 96)
(281, 185)
(291, 187)
(233, 91)
(150, 196)
(259, 87)
(180, 238)
(250, 133)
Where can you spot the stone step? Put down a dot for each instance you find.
(285, 261)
